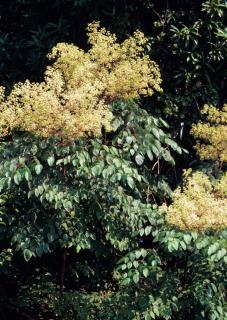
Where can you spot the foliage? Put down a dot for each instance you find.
(173, 280)
(191, 41)
(68, 179)
(83, 233)
(62, 188)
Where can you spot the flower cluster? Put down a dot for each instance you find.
(73, 100)
(201, 205)
(213, 133)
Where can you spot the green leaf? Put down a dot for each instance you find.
(152, 315)
(34, 149)
(17, 178)
(130, 182)
(221, 253)
(147, 230)
(155, 133)
(38, 168)
(213, 248)
(172, 144)
(27, 254)
(145, 272)
(183, 245)
(50, 237)
(123, 267)
(141, 232)
(139, 159)
(136, 277)
(2, 183)
(129, 139)
(143, 253)
(50, 160)
(116, 124)
(187, 238)
(28, 175)
(39, 251)
(167, 157)
(132, 256)
(155, 150)
(138, 254)
(150, 155)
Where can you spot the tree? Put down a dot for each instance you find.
(82, 232)
(63, 188)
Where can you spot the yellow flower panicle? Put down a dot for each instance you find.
(200, 205)
(73, 100)
(213, 133)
